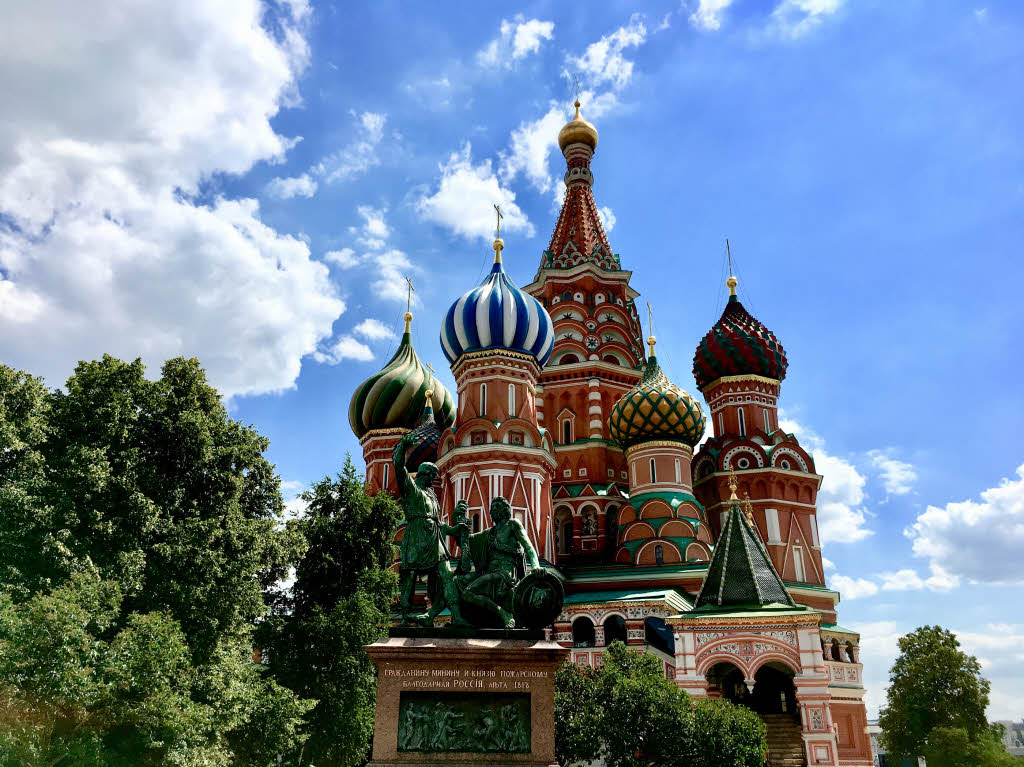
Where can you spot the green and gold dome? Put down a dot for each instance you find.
(656, 409)
(394, 398)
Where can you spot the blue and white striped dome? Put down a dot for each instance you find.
(497, 315)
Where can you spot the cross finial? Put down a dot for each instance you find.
(748, 510)
(430, 389)
(497, 209)
(732, 484)
(732, 281)
(408, 304)
(650, 329)
(576, 82)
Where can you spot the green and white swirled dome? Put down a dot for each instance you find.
(394, 397)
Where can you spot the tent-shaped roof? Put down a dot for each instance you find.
(741, 573)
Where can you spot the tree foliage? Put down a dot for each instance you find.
(141, 534)
(936, 704)
(629, 715)
(340, 601)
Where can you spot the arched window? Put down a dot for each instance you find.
(659, 554)
(836, 655)
(654, 472)
(511, 400)
(743, 422)
(387, 468)
(599, 298)
(721, 424)
(611, 358)
(798, 563)
(568, 359)
(583, 634)
(615, 629)
(483, 399)
(567, 431)
(767, 424)
(850, 654)
(679, 476)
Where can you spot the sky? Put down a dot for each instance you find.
(250, 182)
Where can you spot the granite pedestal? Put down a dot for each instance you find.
(494, 694)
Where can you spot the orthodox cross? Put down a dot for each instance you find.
(576, 81)
(728, 252)
(497, 209)
(408, 301)
(732, 484)
(431, 369)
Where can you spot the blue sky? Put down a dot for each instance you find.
(250, 183)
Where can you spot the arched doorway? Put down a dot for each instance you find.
(583, 634)
(726, 681)
(774, 692)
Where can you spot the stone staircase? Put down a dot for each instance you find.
(785, 746)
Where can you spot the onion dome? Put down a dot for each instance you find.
(394, 398)
(577, 131)
(424, 439)
(738, 345)
(497, 315)
(656, 409)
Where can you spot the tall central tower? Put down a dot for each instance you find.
(596, 358)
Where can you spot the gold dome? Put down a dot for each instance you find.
(577, 131)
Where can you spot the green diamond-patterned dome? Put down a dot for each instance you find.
(656, 409)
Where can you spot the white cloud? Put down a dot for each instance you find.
(909, 580)
(464, 198)
(709, 14)
(841, 514)
(607, 218)
(344, 348)
(879, 646)
(852, 588)
(795, 18)
(603, 62)
(113, 118)
(345, 258)
(374, 330)
(392, 266)
(516, 40)
(360, 155)
(982, 540)
(828, 564)
(898, 476)
(286, 188)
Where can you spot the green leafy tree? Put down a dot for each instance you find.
(148, 493)
(936, 704)
(340, 601)
(629, 715)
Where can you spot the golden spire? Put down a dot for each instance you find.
(650, 329)
(732, 485)
(498, 242)
(408, 305)
(748, 510)
(732, 281)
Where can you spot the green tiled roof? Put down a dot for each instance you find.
(741, 573)
(674, 598)
(680, 542)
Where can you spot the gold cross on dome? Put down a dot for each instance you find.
(497, 209)
(408, 302)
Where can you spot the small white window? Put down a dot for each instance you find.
(743, 423)
(767, 424)
(567, 473)
(483, 399)
(721, 424)
(611, 473)
(583, 472)
(814, 531)
(798, 563)
(511, 400)
(654, 472)
(567, 431)
(772, 517)
(679, 476)
(387, 476)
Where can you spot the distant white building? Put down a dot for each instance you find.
(1013, 738)
(878, 753)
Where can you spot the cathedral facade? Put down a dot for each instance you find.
(704, 554)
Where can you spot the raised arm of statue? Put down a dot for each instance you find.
(405, 483)
(524, 541)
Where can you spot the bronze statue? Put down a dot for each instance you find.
(498, 583)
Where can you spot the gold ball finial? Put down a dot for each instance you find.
(429, 395)
(408, 320)
(651, 340)
(732, 485)
(498, 245)
(732, 282)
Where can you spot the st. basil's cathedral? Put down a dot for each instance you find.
(710, 560)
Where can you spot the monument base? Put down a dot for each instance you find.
(465, 701)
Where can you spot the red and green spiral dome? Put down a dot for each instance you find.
(738, 345)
